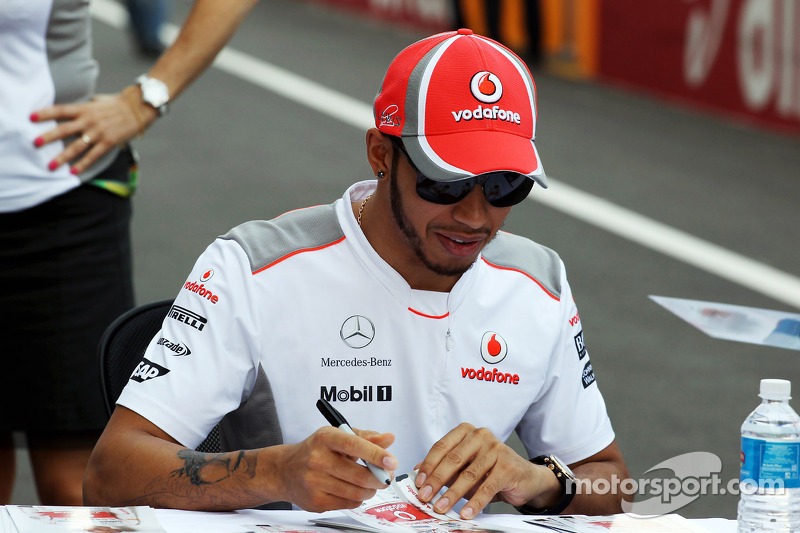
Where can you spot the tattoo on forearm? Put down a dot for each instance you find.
(229, 471)
(205, 469)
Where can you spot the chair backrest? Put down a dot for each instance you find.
(122, 348)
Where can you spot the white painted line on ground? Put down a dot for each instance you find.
(674, 243)
(618, 220)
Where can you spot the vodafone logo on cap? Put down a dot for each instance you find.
(486, 87)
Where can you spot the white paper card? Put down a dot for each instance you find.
(736, 322)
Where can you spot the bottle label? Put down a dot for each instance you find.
(768, 463)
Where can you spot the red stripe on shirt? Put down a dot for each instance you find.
(550, 294)
(430, 316)
(295, 253)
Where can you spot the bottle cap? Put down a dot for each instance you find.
(775, 389)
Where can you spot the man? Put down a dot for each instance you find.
(401, 304)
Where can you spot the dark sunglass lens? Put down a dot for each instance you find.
(504, 189)
(443, 192)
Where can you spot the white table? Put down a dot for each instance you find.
(233, 522)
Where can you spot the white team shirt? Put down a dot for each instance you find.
(501, 350)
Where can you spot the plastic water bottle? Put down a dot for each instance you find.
(769, 480)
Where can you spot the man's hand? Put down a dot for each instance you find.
(473, 463)
(101, 124)
(321, 472)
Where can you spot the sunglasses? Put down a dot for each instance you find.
(502, 188)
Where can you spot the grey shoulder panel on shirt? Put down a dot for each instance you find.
(267, 241)
(539, 262)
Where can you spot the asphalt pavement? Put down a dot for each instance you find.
(231, 150)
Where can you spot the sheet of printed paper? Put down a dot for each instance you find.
(274, 528)
(615, 524)
(737, 323)
(6, 524)
(398, 508)
(63, 519)
(405, 487)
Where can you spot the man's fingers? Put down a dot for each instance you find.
(356, 446)
(384, 440)
(480, 482)
(362, 486)
(445, 460)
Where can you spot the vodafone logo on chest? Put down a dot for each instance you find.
(493, 350)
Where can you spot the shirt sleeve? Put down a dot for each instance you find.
(569, 417)
(200, 366)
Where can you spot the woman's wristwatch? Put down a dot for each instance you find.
(565, 477)
(154, 93)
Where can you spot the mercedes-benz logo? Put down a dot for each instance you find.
(357, 331)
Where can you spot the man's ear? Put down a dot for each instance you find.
(379, 151)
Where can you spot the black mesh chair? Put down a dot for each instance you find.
(122, 347)
(254, 424)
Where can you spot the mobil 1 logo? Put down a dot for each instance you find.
(367, 393)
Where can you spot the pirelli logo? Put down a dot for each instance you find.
(190, 318)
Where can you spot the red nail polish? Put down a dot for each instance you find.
(53, 165)
(73, 171)
(38, 141)
(34, 117)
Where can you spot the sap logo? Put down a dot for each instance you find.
(177, 348)
(383, 393)
(579, 345)
(575, 319)
(588, 375)
(148, 370)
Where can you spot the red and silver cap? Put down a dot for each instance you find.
(464, 105)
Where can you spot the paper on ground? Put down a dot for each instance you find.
(736, 322)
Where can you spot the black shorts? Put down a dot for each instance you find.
(65, 274)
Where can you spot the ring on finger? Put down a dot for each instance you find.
(85, 138)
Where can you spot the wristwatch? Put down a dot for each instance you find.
(564, 476)
(154, 93)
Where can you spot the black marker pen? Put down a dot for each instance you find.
(336, 419)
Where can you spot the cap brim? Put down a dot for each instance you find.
(477, 152)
